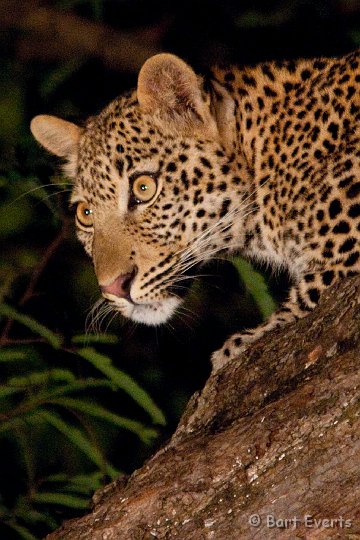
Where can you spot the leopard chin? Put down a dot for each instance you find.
(152, 314)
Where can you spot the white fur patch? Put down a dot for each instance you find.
(150, 314)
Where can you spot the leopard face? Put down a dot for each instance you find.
(151, 192)
(157, 206)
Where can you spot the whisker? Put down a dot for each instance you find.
(197, 245)
(225, 221)
(196, 254)
(31, 191)
(115, 314)
(45, 199)
(96, 315)
(180, 316)
(219, 227)
(106, 312)
(229, 215)
(188, 313)
(130, 328)
(171, 330)
(177, 278)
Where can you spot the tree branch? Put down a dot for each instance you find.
(275, 433)
(34, 279)
(48, 34)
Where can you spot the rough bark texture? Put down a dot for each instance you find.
(275, 433)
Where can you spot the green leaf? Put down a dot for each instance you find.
(86, 339)
(85, 484)
(75, 436)
(76, 386)
(39, 378)
(17, 422)
(22, 531)
(124, 382)
(63, 499)
(32, 324)
(6, 391)
(87, 407)
(7, 355)
(28, 514)
(46, 394)
(256, 285)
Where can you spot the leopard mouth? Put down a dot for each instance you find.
(157, 312)
(151, 314)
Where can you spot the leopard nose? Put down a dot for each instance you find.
(121, 285)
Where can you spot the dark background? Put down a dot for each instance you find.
(69, 58)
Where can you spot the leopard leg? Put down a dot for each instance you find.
(303, 298)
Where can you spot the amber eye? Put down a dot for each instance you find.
(143, 188)
(84, 215)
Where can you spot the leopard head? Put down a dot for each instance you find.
(154, 186)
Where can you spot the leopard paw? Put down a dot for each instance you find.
(228, 352)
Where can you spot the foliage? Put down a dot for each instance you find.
(60, 410)
(256, 285)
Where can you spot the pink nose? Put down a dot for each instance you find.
(121, 286)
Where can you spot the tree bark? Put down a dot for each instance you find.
(273, 435)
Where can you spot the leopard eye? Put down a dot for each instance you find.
(144, 188)
(84, 215)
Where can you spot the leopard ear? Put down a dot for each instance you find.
(169, 90)
(58, 136)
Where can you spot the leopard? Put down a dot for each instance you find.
(261, 161)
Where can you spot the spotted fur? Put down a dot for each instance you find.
(263, 161)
